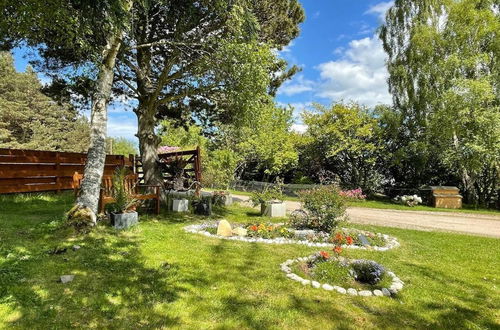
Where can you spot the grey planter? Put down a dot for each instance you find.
(273, 209)
(124, 220)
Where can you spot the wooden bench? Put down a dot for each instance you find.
(131, 185)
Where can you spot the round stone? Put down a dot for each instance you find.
(352, 292)
(386, 292)
(340, 289)
(365, 293)
(306, 282)
(377, 293)
(315, 284)
(327, 287)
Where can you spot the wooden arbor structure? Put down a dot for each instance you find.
(191, 173)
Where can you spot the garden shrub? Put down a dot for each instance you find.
(367, 271)
(325, 208)
(272, 192)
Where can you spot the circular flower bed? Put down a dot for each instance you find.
(349, 238)
(370, 278)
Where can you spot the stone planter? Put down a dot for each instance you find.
(180, 205)
(273, 209)
(124, 220)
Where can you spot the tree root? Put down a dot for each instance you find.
(81, 217)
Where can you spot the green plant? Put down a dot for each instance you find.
(367, 271)
(273, 192)
(120, 192)
(325, 207)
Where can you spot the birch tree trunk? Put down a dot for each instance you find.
(94, 167)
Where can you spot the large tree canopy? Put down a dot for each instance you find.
(444, 77)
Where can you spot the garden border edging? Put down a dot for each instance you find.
(391, 242)
(396, 285)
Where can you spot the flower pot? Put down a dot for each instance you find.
(180, 205)
(203, 206)
(124, 220)
(273, 209)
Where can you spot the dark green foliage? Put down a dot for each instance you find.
(31, 120)
(367, 271)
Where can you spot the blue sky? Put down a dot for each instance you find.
(339, 53)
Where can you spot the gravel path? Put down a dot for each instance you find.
(467, 223)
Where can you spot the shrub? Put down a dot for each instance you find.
(270, 193)
(123, 200)
(409, 200)
(325, 207)
(367, 271)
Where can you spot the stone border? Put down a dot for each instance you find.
(391, 242)
(396, 285)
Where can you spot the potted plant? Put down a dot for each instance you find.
(123, 214)
(271, 200)
(222, 198)
(202, 205)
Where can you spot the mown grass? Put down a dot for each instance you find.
(156, 275)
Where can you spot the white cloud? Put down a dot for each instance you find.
(297, 85)
(359, 75)
(122, 126)
(380, 9)
(299, 128)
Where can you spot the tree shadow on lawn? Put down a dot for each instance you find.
(112, 286)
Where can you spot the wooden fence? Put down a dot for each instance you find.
(32, 171)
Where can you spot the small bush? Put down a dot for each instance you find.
(273, 192)
(409, 200)
(367, 271)
(354, 195)
(325, 208)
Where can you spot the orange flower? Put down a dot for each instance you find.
(254, 228)
(339, 237)
(324, 254)
(337, 249)
(349, 240)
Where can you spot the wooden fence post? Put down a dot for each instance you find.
(58, 170)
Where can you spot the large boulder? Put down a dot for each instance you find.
(224, 229)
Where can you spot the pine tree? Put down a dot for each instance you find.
(31, 120)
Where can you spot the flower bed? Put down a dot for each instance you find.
(351, 275)
(350, 238)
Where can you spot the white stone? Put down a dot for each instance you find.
(377, 293)
(365, 293)
(315, 284)
(239, 231)
(396, 286)
(352, 292)
(327, 287)
(340, 289)
(386, 292)
(66, 278)
(306, 282)
(180, 205)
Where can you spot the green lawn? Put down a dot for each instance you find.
(156, 275)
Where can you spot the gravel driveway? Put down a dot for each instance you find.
(467, 223)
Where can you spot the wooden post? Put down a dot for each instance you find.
(197, 170)
(58, 170)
